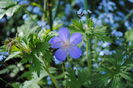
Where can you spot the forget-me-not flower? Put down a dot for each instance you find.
(66, 45)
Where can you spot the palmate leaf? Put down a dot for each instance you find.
(33, 83)
(83, 75)
(76, 81)
(37, 66)
(73, 79)
(117, 83)
(88, 29)
(76, 26)
(117, 71)
(34, 64)
(35, 48)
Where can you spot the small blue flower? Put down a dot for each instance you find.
(99, 59)
(2, 20)
(29, 8)
(4, 53)
(26, 17)
(41, 23)
(118, 42)
(79, 11)
(68, 10)
(56, 61)
(48, 78)
(105, 52)
(67, 65)
(131, 70)
(95, 65)
(66, 45)
(130, 1)
(23, 2)
(106, 44)
(117, 33)
(1, 57)
(103, 73)
(49, 82)
(37, 10)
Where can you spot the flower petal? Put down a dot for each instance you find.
(76, 38)
(64, 34)
(75, 52)
(55, 42)
(61, 54)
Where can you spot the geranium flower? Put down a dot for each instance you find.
(66, 45)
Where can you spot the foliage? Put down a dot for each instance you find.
(27, 59)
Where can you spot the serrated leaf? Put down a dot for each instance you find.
(33, 83)
(13, 55)
(35, 79)
(125, 76)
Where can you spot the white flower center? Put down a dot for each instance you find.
(66, 44)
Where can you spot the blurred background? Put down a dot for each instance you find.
(117, 14)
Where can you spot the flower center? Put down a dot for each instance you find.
(66, 45)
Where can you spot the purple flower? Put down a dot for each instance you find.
(66, 45)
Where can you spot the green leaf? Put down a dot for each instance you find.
(129, 35)
(79, 79)
(33, 83)
(9, 12)
(126, 76)
(90, 23)
(73, 80)
(13, 55)
(76, 26)
(7, 3)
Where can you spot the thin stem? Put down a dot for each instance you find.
(52, 77)
(29, 15)
(50, 14)
(63, 69)
(95, 54)
(88, 54)
(56, 9)
(86, 4)
(46, 68)
(44, 10)
(127, 16)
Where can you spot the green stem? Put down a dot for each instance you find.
(50, 14)
(63, 69)
(56, 9)
(52, 77)
(88, 55)
(95, 54)
(44, 10)
(46, 67)
(86, 4)
(29, 15)
(127, 16)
